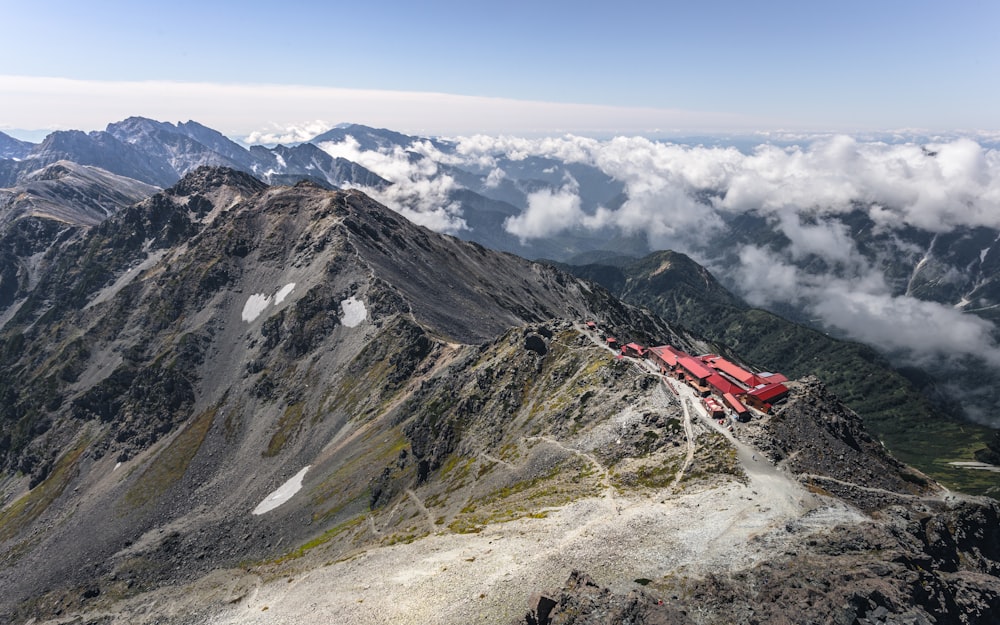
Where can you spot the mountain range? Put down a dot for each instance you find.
(230, 399)
(487, 194)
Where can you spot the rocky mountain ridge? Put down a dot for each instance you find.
(233, 403)
(161, 153)
(50, 206)
(195, 337)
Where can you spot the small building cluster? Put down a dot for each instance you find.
(723, 384)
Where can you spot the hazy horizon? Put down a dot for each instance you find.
(642, 68)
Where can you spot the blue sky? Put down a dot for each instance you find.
(505, 67)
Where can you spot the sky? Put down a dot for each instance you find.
(524, 68)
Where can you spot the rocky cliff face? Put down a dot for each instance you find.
(179, 361)
(932, 567)
(51, 206)
(922, 556)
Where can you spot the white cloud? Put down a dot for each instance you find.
(678, 194)
(286, 134)
(864, 308)
(495, 177)
(419, 193)
(935, 187)
(549, 212)
(927, 332)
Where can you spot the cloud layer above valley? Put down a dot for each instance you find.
(681, 196)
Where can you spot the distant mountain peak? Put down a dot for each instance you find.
(207, 178)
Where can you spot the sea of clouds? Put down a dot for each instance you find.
(680, 196)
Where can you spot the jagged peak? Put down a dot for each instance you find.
(136, 121)
(207, 178)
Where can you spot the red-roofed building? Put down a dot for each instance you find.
(694, 368)
(715, 409)
(762, 397)
(721, 385)
(666, 356)
(634, 349)
(734, 371)
(612, 342)
(771, 378)
(591, 325)
(742, 414)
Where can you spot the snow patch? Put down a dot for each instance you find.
(283, 293)
(255, 305)
(354, 312)
(283, 494)
(257, 302)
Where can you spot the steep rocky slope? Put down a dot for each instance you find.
(76, 195)
(184, 357)
(50, 206)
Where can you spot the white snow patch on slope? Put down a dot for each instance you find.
(283, 494)
(283, 293)
(354, 312)
(255, 305)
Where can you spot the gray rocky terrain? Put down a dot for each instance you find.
(238, 403)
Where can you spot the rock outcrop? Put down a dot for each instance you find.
(583, 602)
(817, 437)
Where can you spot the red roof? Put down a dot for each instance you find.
(668, 354)
(735, 403)
(694, 367)
(722, 385)
(771, 378)
(733, 370)
(769, 393)
(639, 349)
